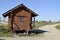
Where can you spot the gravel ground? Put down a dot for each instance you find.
(52, 34)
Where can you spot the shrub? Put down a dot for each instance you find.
(58, 27)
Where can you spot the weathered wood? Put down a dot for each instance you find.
(12, 16)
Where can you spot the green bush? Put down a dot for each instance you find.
(58, 27)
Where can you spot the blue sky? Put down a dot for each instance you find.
(47, 9)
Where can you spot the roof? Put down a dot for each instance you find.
(21, 5)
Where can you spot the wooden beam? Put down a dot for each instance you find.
(12, 20)
(34, 23)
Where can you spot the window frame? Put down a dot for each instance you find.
(21, 18)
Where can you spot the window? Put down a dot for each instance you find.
(21, 18)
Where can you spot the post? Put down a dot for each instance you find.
(34, 23)
(12, 16)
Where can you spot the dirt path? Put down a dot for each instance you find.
(52, 34)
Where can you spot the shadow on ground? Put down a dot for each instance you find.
(37, 31)
(33, 31)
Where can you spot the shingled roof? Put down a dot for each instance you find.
(21, 5)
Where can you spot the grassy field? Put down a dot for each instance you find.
(42, 23)
(4, 32)
(58, 27)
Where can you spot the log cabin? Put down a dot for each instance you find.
(20, 18)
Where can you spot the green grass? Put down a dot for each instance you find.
(4, 32)
(58, 27)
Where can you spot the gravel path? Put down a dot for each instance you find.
(52, 34)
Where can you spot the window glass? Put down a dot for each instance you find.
(21, 18)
